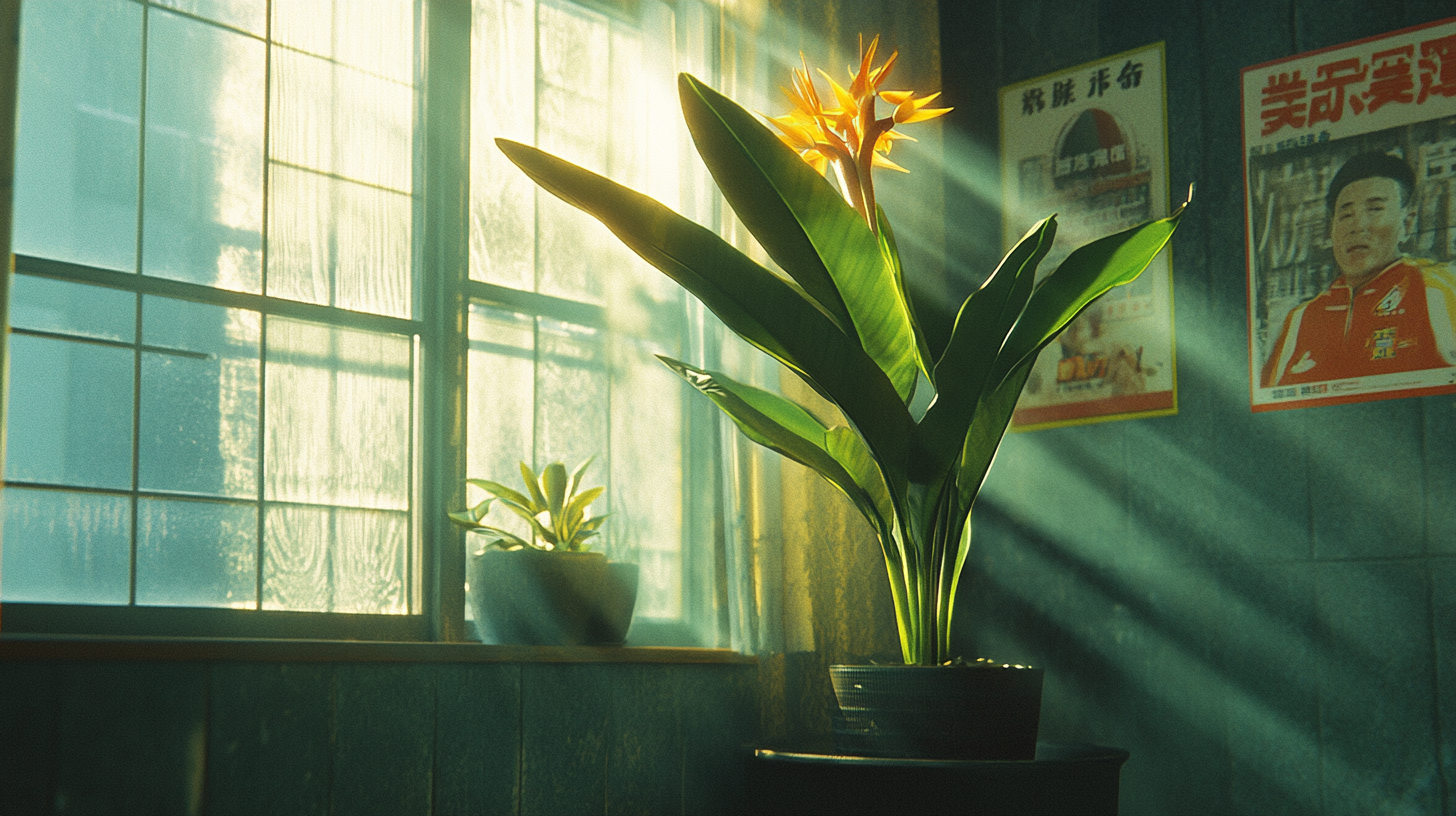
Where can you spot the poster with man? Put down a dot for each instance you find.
(1090, 144)
(1349, 162)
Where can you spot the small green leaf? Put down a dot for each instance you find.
(538, 499)
(505, 494)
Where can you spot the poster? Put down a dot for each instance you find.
(1090, 144)
(1350, 218)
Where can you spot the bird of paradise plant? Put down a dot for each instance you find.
(843, 323)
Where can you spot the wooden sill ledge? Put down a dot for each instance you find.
(74, 647)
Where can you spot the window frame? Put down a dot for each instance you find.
(443, 294)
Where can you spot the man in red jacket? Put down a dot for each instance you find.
(1385, 313)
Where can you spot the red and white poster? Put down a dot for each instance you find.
(1090, 144)
(1350, 204)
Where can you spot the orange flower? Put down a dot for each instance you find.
(849, 137)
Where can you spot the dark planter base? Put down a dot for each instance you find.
(535, 598)
(937, 712)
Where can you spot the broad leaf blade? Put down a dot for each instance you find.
(778, 197)
(970, 355)
(1084, 276)
(806, 227)
(891, 253)
(757, 305)
(787, 429)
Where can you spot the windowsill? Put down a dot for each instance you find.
(81, 647)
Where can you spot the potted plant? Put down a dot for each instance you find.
(845, 325)
(550, 590)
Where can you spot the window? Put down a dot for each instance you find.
(245, 382)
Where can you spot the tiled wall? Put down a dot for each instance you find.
(373, 738)
(1259, 607)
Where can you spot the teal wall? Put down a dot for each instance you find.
(1259, 607)
(116, 737)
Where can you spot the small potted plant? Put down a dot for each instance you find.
(550, 590)
(845, 325)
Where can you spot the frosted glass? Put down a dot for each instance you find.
(307, 25)
(335, 560)
(501, 403)
(44, 304)
(249, 15)
(192, 553)
(199, 416)
(203, 209)
(77, 137)
(337, 119)
(371, 552)
(296, 556)
(503, 104)
(572, 122)
(300, 265)
(647, 467)
(337, 416)
(372, 126)
(65, 547)
(70, 414)
(301, 117)
(377, 36)
(574, 49)
(572, 393)
(372, 236)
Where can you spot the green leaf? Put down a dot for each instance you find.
(759, 306)
(891, 253)
(970, 355)
(575, 483)
(538, 499)
(505, 494)
(806, 227)
(788, 429)
(993, 414)
(1083, 277)
(783, 201)
(553, 485)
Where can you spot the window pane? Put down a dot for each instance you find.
(249, 15)
(573, 123)
(65, 547)
(42, 304)
(70, 415)
(377, 37)
(192, 553)
(335, 560)
(337, 416)
(372, 229)
(199, 409)
(77, 132)
(300, 232)
(204, 166)
(503, 104)
(571, 394)
(307, 25)
(648, 440)
(502, 402)
(336, 119)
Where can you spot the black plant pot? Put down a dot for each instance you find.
(535, 598)
(937, 712)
